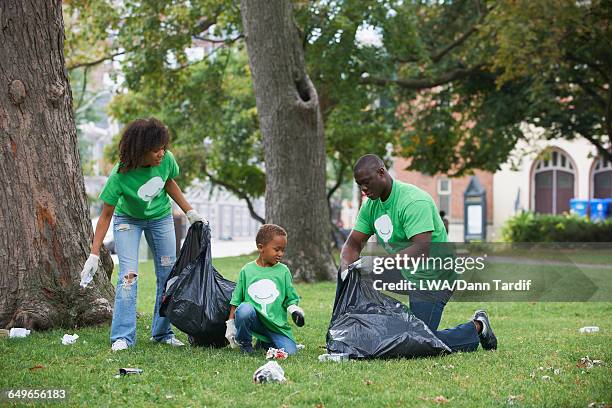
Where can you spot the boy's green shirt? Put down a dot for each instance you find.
(140, 192)
(270, 290)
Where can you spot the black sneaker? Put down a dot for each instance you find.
(247, 349)
(488, 341)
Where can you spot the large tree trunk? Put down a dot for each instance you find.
(292, 128)
(44, 219)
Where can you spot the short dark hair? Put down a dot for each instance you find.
(267, 232)
(139, 137)
(369, 161)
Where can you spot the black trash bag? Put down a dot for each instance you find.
(368, 324)
(196, 297)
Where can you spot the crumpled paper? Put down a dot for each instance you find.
(69, 339)
(276, 354)
(269, 372)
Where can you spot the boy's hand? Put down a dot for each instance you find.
(230, 333)
(297, 314)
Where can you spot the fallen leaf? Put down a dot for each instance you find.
(440, 399)
(37, 367)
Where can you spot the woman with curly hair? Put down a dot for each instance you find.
(138, 193)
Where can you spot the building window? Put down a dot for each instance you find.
(602, 179)
(554, 178)
(444, 195)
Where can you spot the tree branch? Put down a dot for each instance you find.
(422, 83)
(603, 152)
(95, 62)
(215, 41)
(338, 183)
(241, 194)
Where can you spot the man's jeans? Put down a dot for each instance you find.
(429, 305)
(247, 322)
(160, 236)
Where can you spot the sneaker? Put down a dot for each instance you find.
(119, 345)
(488, 341)
(173, 341)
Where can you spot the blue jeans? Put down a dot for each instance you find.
(429, 305)
(247, 322)
(160, 236)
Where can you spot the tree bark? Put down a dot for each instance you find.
(44, 219)
(292, 129)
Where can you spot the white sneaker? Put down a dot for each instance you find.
(120, 344)
(174, 342)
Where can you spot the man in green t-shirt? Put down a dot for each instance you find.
(406, 221)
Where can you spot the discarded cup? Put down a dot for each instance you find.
(128, 371)
(269, 372)
(69, 339)
(337, 357)
(18, 332)
(589, 329)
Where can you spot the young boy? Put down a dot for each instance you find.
(263, 295)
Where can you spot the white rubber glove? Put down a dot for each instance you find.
(230, 333)
(361, 262)
(89, 270)
(193, 216)
(297, 314)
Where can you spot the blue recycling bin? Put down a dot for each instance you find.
(600, 208)
(579, 207)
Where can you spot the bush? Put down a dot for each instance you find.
(530, 227)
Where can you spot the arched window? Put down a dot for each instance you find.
(602, 179)
(553, 181)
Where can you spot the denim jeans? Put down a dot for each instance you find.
(247, 322)
(429, 305)
(160, 236)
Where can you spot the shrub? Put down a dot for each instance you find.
(530, 227)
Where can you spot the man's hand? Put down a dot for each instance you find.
(193, 216)
(230, 333)
(297, 314)
(365, 263)
(89, 270)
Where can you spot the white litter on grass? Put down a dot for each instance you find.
(269, 372)
(69, 339)
(17, 332)
(300, 347)
(586, 362)
(589, 329)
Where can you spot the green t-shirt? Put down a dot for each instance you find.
(270, 290)
(407, 211)
(140, 192)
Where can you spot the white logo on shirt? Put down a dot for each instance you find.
(264, 292)
(384, 227)
(149, 190)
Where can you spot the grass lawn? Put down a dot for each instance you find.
(534, 338)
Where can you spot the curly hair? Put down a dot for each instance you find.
(139, 137)
(267, 232)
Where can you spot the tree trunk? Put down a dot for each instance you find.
(292, 129)
(44, 219)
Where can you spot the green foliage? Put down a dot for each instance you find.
(448, 84)
(530, 227)
(562, 47)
